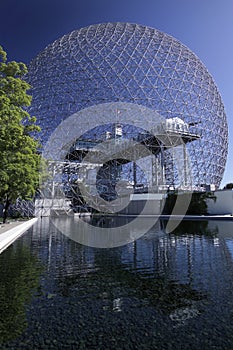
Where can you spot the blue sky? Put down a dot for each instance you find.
(205, 26)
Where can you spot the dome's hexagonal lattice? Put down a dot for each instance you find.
(130, 63)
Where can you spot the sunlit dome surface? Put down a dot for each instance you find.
(122, 62)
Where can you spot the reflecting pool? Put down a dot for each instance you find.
(161, 291)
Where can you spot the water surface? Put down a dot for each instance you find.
(162, 291)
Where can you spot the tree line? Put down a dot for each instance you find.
(19, 157)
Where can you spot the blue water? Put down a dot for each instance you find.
(162, 291)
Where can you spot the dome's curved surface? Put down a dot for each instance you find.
(122, 62)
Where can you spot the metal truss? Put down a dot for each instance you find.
(130, 64)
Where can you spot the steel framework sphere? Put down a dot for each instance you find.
(130, 63)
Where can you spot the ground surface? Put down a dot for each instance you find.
(9, 225)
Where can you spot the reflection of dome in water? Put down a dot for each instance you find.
(122, 62)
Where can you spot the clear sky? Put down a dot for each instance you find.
(205, 26)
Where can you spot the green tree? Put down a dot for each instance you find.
(198, 204)
(19, 160)
(228, 186)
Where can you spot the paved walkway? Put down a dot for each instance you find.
(9, 225)
(11, 231)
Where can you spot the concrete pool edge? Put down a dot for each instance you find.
(8, 237)
(181, 217)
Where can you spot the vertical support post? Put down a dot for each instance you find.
(134, 174)
(185, 164)
(173, 169)
(162, 165)
(53, 180)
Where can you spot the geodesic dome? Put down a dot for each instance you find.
(130, 63)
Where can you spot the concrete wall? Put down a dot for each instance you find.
(223, 204)
(154, 204)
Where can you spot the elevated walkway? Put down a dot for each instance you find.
(126, 150)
